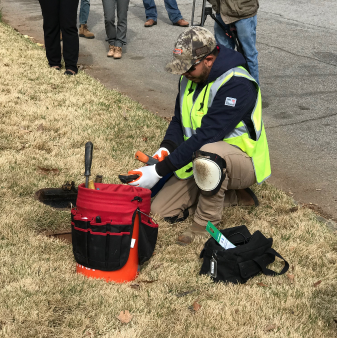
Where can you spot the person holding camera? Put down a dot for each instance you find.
(243, 15)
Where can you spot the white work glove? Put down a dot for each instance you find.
(160, 154)
(148, 177)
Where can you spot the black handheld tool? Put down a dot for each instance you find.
(87, 161)
(128, 178)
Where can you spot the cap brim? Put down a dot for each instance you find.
(177, 66)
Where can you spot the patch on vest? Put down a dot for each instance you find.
(230, 102)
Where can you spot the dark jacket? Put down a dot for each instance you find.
(220, 119)
(234, 10)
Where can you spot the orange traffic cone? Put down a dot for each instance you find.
(127, 273)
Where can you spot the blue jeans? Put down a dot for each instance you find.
(171, 8)
(84, 11)
(246, 32)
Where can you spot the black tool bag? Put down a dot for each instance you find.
(106, 246)
(252, 255)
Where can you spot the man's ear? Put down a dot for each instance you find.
(209, 60)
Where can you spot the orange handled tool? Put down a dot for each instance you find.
(142, 158)
(145, 158)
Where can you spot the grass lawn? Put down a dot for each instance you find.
(46, 119)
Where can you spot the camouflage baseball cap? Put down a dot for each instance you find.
(192, 44)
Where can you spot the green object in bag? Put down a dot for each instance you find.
(219, 237)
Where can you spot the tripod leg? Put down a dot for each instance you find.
(203, 17)
(193, 10)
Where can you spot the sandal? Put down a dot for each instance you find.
(56, 67)
(69, 72)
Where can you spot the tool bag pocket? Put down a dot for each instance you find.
(252, 255)
(105, 246)
(148, 232)
(102, 246)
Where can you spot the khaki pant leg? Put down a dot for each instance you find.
(175, 197)
(239, 175)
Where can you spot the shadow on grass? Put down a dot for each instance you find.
(324, 295)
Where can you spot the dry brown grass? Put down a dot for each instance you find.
(46, 118)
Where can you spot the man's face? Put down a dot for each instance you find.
(199, 73)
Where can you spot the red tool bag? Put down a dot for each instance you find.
(103, 222)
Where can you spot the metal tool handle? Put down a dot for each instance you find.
(88, 160)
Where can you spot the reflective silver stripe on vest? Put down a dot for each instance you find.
(244, 73)
(216, 85)
(188, 132)
(237, 132)
(218, 82)
(183, 85)
(257, 133)
(239, 72)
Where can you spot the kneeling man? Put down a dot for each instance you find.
(216, 144)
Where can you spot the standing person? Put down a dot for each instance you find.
(172, 11)
(61, 15)
(83, 18)
(116, 35)
(243, 14)
(215, 144)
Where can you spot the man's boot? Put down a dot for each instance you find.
(111, 51)
(246, 197)
(85, 33)
(188, 236)
(118, 52)
(241, 197)
(150, 23)
(181, 23)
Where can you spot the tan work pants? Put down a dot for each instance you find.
(178, 195)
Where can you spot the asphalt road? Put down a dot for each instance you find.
(297, 44)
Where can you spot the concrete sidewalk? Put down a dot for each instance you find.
(297, 47)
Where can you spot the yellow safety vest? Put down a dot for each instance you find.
(192, 113)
